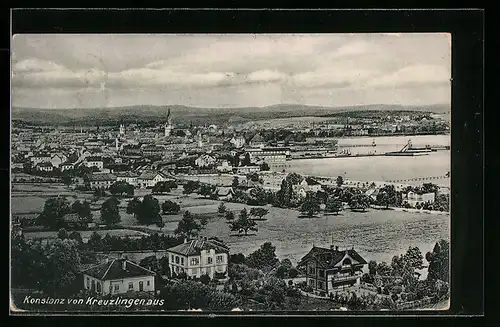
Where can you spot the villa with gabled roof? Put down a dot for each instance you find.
(117, 277)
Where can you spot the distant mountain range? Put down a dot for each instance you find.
(185, 114)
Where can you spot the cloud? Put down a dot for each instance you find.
(414, 75)
(268, 76)
(35, 65)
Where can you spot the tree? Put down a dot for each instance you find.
(243, 223)
(430, 188)
(76, 237)
(62, 234)
(229, 216)
(258, 196)
(83, 210)
(236, 160)
(95, 241)
(311, 205)
(133, 207)
(340, 181)
(149, 210)
(121, 187)
(59, 274)
(372, 267)
(160, 223)
(53, 212)
(66, 179)
(439, 262)
(237, 258)
(110, 213)
(188, 227)
(264, 167)
(205, 279)
(246, 160)
(414, 257)
(150, 263)
(293, 272)
(359, 202)
(206, 190)
(258, 212)
(264, 257)
(236, 182)
(294, 178)
(333, 205)
(221, 209)
(170, 207)
(387, 196)
(191, 186)
(160, 187)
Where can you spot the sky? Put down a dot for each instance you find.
(229, 70)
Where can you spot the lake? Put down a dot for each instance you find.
(382, 168)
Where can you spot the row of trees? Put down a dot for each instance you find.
(56, 208)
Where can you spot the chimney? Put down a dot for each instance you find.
(124, 264)
(337, 248)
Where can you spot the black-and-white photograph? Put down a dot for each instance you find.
(230, 172)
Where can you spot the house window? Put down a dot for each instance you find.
(176, 259)
(194, 271)
(117, 288)
(88, 282)
(311, 282)
(195, 261)
(148, 283)
(131, 285)
(320, 284)
(220, 259)
(98, 287)
(312, 271)
(209, 261)
(172, 258)
(182, 261)
(321, 273)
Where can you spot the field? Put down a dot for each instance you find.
(86, 234)
(375, 234)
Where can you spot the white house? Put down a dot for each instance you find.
(205, 160)
(247, 169)
(118, 276)
(127, 176)
(39, 158)
(44, 166)
(413, 198)
(224, 167)
(150, 178)
(238, 141)
(307, 185)
(101, 180)
(57, 159)
(94, 162)
(199, 257)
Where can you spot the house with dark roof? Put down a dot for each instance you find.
(330, 268)
(199, 257)
(118, 276)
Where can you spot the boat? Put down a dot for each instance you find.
(409, 151)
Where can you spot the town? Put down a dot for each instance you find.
(172, 211)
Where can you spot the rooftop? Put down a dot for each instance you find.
(117, 269)
(328, 257)
(194, 247)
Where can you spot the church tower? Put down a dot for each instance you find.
(122, 129)
(168, 124)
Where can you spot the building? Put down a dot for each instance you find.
(307, 185)
(150, 178)
(44, 166)
(127, 176)
(67, 166)
(118, 276)
(329, 269)
(224, 193)
(101, 181)
(93, 161)
(57, 159)
(39, 158)
(224, 167)
(122, 129)
(244, 170)
(238, 141)
(205, 160)
(153, 150)
(413, 198)
(199, 257)
(257, 141)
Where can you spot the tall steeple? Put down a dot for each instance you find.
(168, 124)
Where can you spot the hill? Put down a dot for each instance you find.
(185, 114)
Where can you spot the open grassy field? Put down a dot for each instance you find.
(86, 234)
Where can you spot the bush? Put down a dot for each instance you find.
(205, 279)
(293, 272)
(220, 275)
(290, 283)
